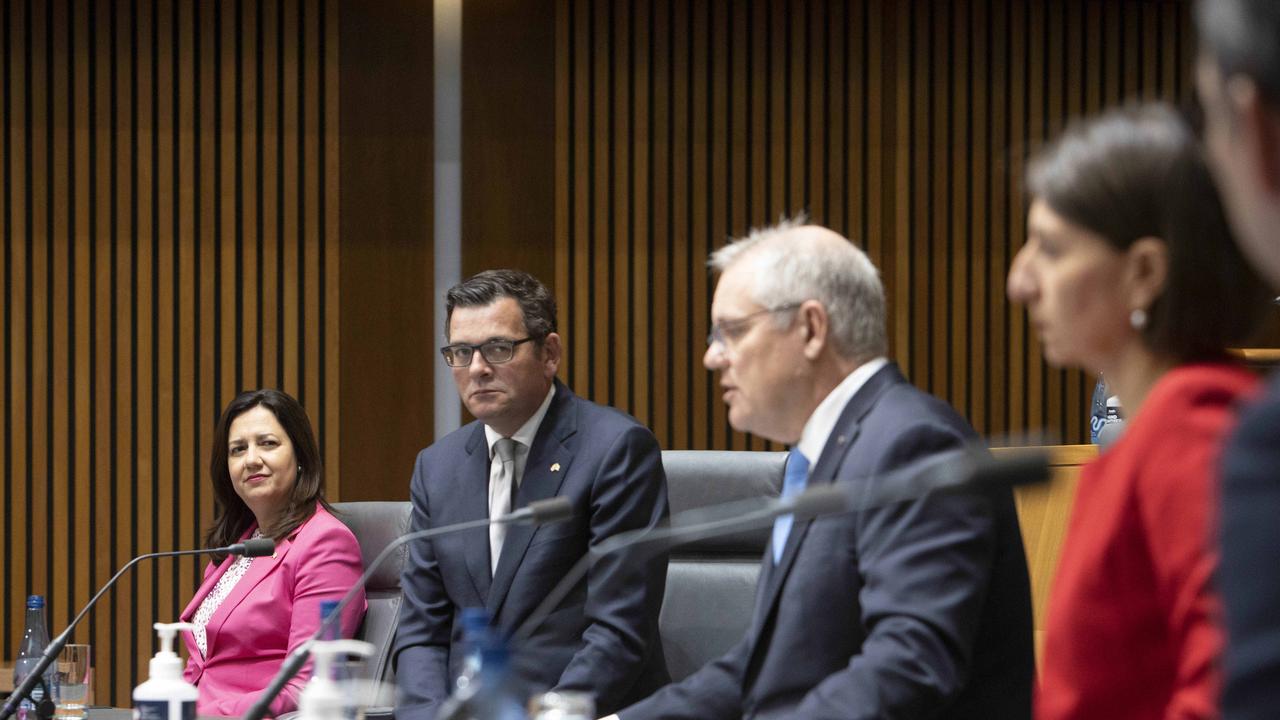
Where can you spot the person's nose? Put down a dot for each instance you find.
(252, 460)
(1021, 286)
(714, 358)
(479, 367)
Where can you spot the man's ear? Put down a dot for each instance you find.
(814, 327)
(551, 353)
(1259, 128)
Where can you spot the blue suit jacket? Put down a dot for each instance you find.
(914, 610)
(604, 637)
(1248, 578)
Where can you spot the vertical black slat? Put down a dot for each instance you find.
(843, 102)
(650, 239)
(949, 217)
(688, 216)
(71, 310)
(238, 191)
(302, 205)
(631, 204)
(320, 225)
(570, 179)
(218, 391)
(197, 210)
(610, 209)
(767, 170)
(259, 191)
(175, 469)
(1045, 80)
(709, 175)
(113, 394)
(992, 166)
(29, 212)
(153, 381)
(671, 222)
(591, 205)
(802, 87)
(280, 213)
(92, 38)
(133, 314)
(829, 219)
(864, 106)
(789, 203)
(50, 138)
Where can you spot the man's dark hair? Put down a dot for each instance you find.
(1243, 37)
(1139, 172)
(231, 516)
(535, 301)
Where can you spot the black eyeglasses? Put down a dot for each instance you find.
(732, 329)
(495, 352)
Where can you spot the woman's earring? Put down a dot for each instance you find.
(1138, 319)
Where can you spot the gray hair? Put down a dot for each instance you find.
(794, 265)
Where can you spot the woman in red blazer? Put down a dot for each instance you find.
(1129, 271)
(251, 613)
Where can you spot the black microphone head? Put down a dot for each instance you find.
(550, 510)
(255, 547)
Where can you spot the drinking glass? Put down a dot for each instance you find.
(71, 682)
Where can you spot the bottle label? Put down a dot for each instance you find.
(159, 710)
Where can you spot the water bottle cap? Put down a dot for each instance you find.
(35, 602)
(327, 607)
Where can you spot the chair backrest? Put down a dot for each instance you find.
(376, 525)
(711, 583)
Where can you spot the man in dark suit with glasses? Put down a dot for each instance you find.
(532, 439)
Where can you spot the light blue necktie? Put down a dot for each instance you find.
(793, 482)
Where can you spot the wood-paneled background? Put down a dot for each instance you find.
(200, 197)
(903, 125)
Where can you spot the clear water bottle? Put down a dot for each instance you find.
(340, 672)
(1098, 416)
(475, 635)
(34, 640)
(493, 695)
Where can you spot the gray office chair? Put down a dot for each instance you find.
(711, 583)
(375, 525)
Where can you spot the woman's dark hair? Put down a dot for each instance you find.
(231, 517)
(535, 300)
(1139, 172)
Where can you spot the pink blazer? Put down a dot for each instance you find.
(273, 609)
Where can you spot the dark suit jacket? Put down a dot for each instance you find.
(914, 610)
(1248, 577)
(604, 637)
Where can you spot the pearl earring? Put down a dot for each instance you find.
(1138, 318)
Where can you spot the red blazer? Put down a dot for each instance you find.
(1133, 629)
(273, 609)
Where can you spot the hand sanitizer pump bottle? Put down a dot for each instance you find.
(165, 695)
(323, 698)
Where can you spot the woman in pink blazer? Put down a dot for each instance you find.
(251, 613)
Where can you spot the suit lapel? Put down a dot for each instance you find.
(544, 471)
(259, 569)
(843, 436)
(473, 477)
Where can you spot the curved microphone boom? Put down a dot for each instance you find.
(256, 547)
(539, 512)
(969, 469)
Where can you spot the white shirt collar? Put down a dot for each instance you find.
(817, 429)
(528, 430)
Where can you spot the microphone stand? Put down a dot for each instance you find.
(23, 690)
(539, 512)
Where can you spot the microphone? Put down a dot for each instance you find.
(249, 548)
(538, 512)
(969, 469)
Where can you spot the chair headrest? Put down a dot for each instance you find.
(375, 525)
(700, 478)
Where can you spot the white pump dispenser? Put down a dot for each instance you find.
(324, 699)
(165, 695)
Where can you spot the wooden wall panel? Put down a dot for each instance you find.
(168, 201)
(903, 125)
